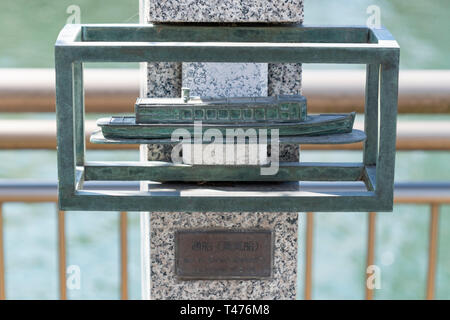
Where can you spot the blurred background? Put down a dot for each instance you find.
(28, 30)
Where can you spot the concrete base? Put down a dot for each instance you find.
(164, 285)
(165, 80)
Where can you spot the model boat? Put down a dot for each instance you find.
(157, 118)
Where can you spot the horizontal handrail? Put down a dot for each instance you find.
(431, 193)
(115, 91)
(41, 134)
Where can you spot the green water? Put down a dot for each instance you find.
(28, 30)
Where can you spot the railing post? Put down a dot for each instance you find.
(370, 250)
(432, 251)
(62, 255)
(309, 252)
(123, 256)
(2, 258)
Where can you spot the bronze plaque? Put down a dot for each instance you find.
(223, 254)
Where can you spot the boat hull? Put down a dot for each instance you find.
(323, 124)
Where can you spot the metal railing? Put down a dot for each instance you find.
(433, 194)
(35, 192)
(114, 91)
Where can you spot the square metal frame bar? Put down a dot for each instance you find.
(376, 48)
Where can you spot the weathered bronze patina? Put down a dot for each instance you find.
(373, 47)
(223, 254)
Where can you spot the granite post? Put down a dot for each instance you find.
(218, 80)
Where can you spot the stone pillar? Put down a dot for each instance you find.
(208, 79)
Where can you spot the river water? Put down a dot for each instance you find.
(28, 30)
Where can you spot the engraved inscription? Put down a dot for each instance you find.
(223, 254)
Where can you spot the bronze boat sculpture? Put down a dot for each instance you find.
(374, 47)
(157, 118)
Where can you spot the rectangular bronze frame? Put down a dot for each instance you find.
(376, 48)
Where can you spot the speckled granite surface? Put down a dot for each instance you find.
(164, 79)
(280, 79)
(225, 79)
(207, 79)
(284, 78)
(286, 11)
(164, 284)
(160, 152)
